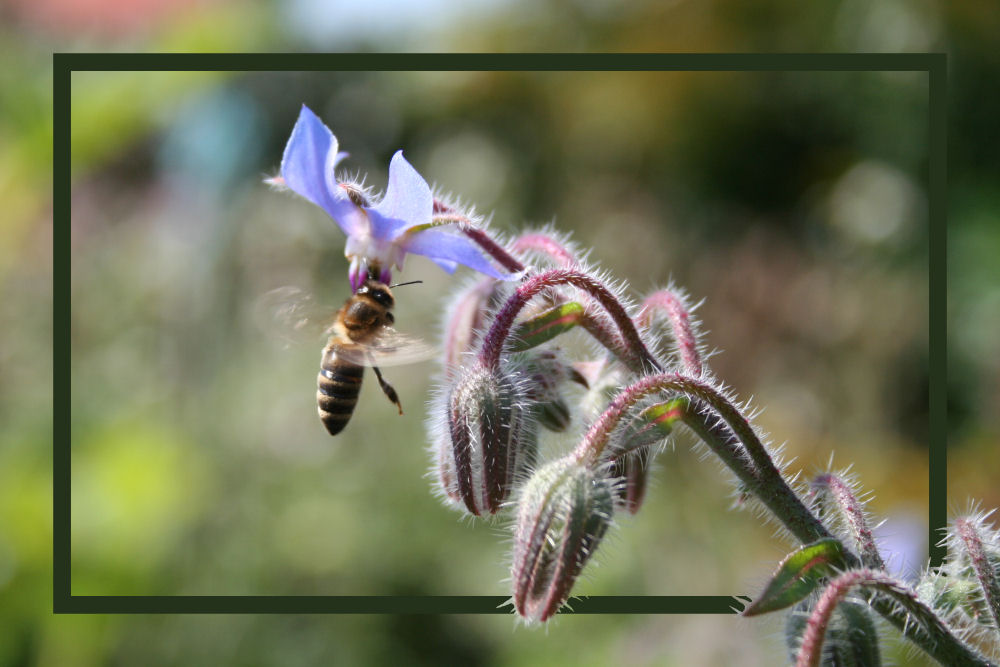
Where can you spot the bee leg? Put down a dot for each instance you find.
(387, 389)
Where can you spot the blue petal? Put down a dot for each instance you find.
(446, 264)
(447, 244)
(307, 167)
(407, 202)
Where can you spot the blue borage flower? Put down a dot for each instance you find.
(379, 236)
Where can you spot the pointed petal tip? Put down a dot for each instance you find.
(407, 202)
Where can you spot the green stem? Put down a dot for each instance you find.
(770, 489)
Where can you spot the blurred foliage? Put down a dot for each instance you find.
(793, 203)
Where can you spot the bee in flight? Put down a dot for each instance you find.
(361, 335)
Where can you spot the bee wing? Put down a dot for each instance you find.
(389, 348)
(291, 315)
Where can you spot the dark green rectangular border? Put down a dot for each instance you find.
(64, 64)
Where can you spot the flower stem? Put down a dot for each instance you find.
(546, 244)
(597, 327)
(445, 214)
(492, 248)
(637, 355)
(811, 649)
(733, 445)
(564, 257)
(679, 316)
(770, 489)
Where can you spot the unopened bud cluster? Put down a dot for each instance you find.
(506, 380)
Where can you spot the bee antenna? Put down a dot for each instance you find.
(412, 282)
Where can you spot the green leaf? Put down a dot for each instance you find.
(546, 326)
(664, 415)
(797, 576)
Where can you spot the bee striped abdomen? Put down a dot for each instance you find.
(338, 385)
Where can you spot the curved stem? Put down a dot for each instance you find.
(597, 436)
(811, 649)
(445, 214)
(771, 490)
(638, 355)
(546, 244)
(758, 473)
(565, 258)
(602, 330)
(679, 316)
(609, 339)
(493, 249)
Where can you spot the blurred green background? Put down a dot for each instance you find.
(794, 204)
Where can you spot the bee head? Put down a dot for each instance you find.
(377, 291)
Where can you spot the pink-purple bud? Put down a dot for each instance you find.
(564, 511)
(489, 439)
(466, 320)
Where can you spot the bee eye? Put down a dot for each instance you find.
(382, 296)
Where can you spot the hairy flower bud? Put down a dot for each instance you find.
(490, 438)
(554, 414)
(563, 513)
(466, 320)
(633, 470)
(546, 372)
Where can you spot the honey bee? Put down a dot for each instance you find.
(362, 334)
